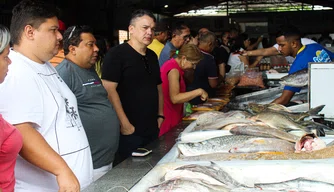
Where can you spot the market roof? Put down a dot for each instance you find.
(173, 7)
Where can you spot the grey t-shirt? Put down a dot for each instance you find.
(97, 114)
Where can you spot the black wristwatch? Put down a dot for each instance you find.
(161, 116)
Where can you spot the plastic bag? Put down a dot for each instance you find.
(251, 78)
(232, 78)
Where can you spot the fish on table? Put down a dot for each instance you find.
(195, 177)
(235, 144)
(263, 131)
(296, 79)
(257, 108)
(325, 153)
(212, 116)
(278, 120)
(214, 171)
(295, 116)
(309, 142)
(263, 145)
(215, 145)
(220, 123)
(199, 136)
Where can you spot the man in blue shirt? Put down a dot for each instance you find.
(289, 42)
(180, 36)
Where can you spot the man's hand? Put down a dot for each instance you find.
(68, 182)
(204, 95)
(244, 53)
(127, 129)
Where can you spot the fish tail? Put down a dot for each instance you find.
(316, 110)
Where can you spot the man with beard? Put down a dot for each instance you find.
(180, 36)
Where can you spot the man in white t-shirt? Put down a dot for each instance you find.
(55, 155)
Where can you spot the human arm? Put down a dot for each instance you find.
(213, 82)
(261, 52)
(161, 105)
(38, 152)
(256, 61)
(254, 45)
(126, 127)
(221, 72)
(174, 90)
(285, 97)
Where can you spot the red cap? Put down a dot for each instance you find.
(62, 26)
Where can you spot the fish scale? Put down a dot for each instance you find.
(215, 145)
(297, 79)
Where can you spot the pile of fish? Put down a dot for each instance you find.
(214, 178)
(197, 178)
(270, 128)
(261, 132)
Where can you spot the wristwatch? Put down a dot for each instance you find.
(161, 116)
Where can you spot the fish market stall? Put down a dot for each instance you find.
(272, 148)
(252, 173)
(207, 159)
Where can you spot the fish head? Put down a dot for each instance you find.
(256, 108)
(309, 142)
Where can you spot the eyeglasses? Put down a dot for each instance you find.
(147, 65)
(186, 37)
(69, 37)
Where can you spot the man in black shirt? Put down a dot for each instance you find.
(131, 75)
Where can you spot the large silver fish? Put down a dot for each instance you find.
(278, 120)
(215, 145)
(263, 131)
(219, 123)
(296, 116)
(297, 79)
(263, 145)
(326, 153)
(214, 171)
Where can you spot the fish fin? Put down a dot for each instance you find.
(316, 110)
(214, 164)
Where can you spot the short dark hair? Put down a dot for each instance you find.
(239, 42)
(207, 37)
(178, 27)
(289, 31)
(140, 13)
(72, 36)
(29, 12)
